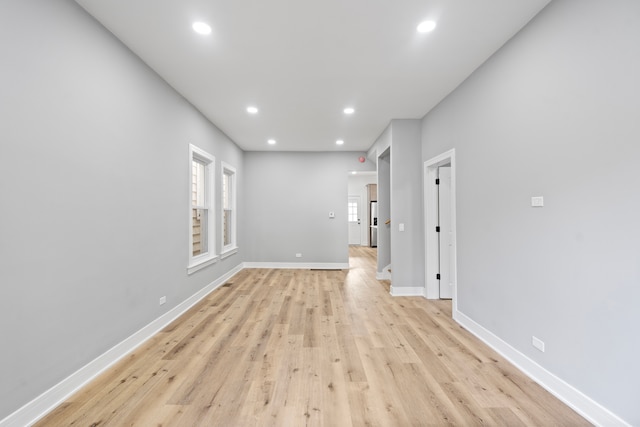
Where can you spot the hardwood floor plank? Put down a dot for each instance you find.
(313, 348)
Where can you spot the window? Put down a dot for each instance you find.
(201, 210)
(353, 211)
(228, 209)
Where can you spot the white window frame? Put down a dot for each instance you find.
(207, 258)
(232, 247)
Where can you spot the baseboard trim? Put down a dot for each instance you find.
(591, 410)
(407, 291)
(50, 399)
(385, 274)
(299, 265)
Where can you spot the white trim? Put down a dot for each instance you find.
(199, 264)
(572, 397)
(50, 399)
(228, 252)
(385, 274)
(233, 177)
(203, 260)
(299, 265)
(407, 291)
(432, 288)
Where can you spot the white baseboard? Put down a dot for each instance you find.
(407, 291)
(50, 399)
(575, 399)
(299, 265)
(385, 274)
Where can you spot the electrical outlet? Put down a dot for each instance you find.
(163, 300)
(298, 255)
(537, 343)
(537, 201)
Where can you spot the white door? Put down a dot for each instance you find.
(353, 212)
(445, 236)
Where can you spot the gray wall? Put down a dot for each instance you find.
(554, 114)
(384, 209)
(288, 200)
(94, 184)
(407, 247)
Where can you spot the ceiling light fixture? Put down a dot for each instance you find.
(271, 142)
(349, 110)
(201, 28)
(426, 26)
(339, 142)
(252, 110)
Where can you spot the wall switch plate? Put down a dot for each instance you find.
(400, 227)
(537, 201)
(298, 255)
(332, 214)
(537, 343)
(163, 300)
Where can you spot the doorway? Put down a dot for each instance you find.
(440, 226)
(354, 215)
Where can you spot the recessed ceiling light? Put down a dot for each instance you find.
(354, 172)
(252, 110)
(271, 142)
(339, 142)
(349, 110)
(426, 26)
(201, 28)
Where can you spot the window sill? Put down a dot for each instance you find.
(228, 252)
(200, 264)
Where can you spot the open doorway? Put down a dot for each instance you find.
(440, 227)
(361, 193)
(354, 218)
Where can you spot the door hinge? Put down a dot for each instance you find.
(437, 181)
(438, 276)
(437, 229)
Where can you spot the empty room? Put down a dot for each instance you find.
(332, 213)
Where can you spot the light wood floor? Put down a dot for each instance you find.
(313, 348)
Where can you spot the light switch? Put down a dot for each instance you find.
(537, 201)
(401, 227)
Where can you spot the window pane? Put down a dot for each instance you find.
(199, 231)
(227, 227)
(198, 184)
(226, 191)
(353, 211)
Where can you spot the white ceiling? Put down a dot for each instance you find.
(301, 62)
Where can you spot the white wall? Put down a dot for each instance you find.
(94, 174)
(554, 114)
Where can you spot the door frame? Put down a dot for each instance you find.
(360, 211)
(432, 288)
